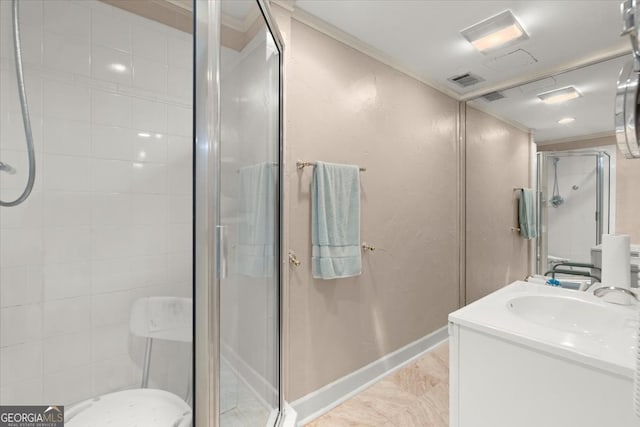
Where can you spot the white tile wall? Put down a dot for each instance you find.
(68, 54)
(20, 324)
(21, 285)
(150, 75)
(109, 220)
(69, 137)
(66, 352)
(20, 362)
(103, 65)
(111, 109)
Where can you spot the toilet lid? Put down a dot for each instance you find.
(131, 408)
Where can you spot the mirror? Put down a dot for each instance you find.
(584, 175)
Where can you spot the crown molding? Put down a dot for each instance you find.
(577, 138)
(357, 44)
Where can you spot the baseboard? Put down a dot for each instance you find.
(321, 401)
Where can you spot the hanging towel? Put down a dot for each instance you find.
(527, 214)
(335, 221)
(257, 228)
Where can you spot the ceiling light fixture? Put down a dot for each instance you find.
(567, 120)
(496, 32)
(557, 96)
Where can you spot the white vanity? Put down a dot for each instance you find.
(532, 355)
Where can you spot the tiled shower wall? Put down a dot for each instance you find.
(109, 219)
(571, 227)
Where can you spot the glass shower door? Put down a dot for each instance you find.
(238, 202)
(249, 206)
(574, 206)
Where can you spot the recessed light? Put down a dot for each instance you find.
(566, 120)
(496, 32)
(557, 96)
(144, 135)
(118, 68)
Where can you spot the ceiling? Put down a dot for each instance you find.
(593, 112)
(238, 9)
(424, 38)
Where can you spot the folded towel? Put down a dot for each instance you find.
(527, 214)
(335, 220)
(256, 233)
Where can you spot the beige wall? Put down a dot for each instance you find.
(627, 197)
(627, 180)
(497, 161)
(343, 106)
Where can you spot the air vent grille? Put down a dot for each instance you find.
(493, 96)
(466, 80)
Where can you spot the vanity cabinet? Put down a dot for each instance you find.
(504, 375)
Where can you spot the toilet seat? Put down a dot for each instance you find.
(142, 407)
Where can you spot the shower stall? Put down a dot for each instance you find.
(140, 171)
(574, 208)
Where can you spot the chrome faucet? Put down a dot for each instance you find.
(600, 292)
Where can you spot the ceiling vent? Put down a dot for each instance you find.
(466, 80)
(493, 96)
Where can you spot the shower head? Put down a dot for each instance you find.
(557, 200)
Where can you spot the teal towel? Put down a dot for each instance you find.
(257, 228)
(335, 221)
(527, 214)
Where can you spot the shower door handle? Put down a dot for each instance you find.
(222, 252)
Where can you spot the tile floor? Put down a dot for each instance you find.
(239, 406)
(415, 396)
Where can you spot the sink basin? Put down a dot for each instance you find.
(568, 314)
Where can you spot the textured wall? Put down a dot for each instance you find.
(497, 161)
(343, 106)
(627, 200)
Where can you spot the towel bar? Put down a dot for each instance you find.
(293, 259)
(367, 247)
(302, 164)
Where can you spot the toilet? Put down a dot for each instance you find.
(163, 318)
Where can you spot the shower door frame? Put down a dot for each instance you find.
(207, 230)
(542, 242)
